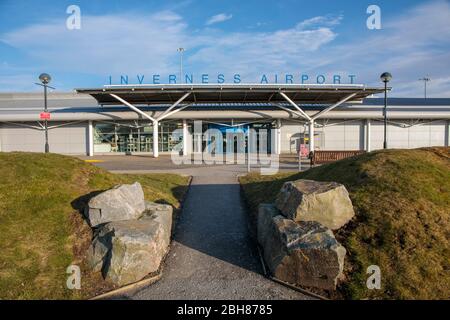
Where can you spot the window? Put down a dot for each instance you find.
(123, 137)
(135, 136)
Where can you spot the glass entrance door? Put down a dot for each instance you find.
(235, 138)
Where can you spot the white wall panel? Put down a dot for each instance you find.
(437, 133)
(68, 139)
(340, 135)
(420, 135)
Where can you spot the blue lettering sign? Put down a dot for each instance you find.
(123, 79)
(289, 78)
(264, 79)
(222, 78)
(304, 78)
(320, 79)
(337, 79)
(352, 78)
(172, 78)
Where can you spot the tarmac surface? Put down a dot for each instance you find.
(212, 255)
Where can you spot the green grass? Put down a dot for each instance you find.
(402, 223)
(41, 231)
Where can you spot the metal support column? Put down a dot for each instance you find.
(90, 141)
(311, 136)
(155, 139)
(368, 135)
(278, 137)
(447, 133)
(185, 137)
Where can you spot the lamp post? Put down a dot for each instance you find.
(425, 80)
(45, 80)
(385, 77)
(181, 50)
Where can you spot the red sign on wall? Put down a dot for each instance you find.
(44, 115)
(304, 152)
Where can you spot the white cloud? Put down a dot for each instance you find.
(130, 44)
(253, 53)
(221, 17)
(321, 21)
(105, 44)
(410, 45)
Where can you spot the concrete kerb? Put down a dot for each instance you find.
(130, 287)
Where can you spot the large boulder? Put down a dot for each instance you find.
(152, 207)
(127, 251)
(304, 253)
(123, 202)
(324, 202)
(266, 212)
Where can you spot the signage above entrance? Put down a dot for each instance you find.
(220, 78)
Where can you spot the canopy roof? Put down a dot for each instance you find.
(229, 93)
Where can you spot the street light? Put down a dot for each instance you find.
(385, 77)
(181, 50)
(45, 80)
(425, 80)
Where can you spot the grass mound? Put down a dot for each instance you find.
(41, 231)
(402, 223)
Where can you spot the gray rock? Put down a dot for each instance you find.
(266, 212)
(134, 248)
(152, 207)
(324, 202)
(98, 252)
(123, 202)
(304, 253)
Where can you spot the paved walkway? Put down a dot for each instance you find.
(212, 255)
(143, 163)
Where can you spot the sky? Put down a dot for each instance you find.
(246, 37)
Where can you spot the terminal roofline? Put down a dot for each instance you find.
(170, 93)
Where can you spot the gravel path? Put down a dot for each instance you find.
(212, 255)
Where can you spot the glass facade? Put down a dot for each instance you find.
(169, 138)
(135, 136)
(235, 136)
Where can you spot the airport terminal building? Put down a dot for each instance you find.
(154, 119)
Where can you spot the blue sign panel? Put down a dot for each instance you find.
(227, 129)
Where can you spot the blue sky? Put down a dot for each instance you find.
(250, 38)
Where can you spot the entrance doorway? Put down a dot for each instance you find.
(235, 137)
